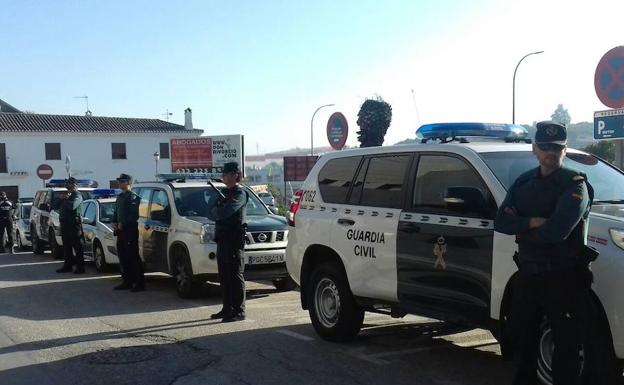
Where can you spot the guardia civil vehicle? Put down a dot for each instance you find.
(410, 229)
(176, 233)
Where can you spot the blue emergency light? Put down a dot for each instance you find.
(84, 183)
(100, 193)
(448, 132)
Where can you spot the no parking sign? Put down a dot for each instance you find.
(609, 78)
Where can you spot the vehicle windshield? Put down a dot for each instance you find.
(107, 209)
(26, 211)
(199, 201)
(608, 182)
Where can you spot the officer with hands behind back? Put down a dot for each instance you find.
(229, 214)
(126, 229)
(71, 229)
(547, 208)
(6, 222)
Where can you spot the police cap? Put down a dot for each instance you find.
(71, 182)
(124, 178)
(551, 132)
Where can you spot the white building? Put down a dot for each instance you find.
(100, 148)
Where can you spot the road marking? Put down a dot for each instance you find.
(295, 335)
(377, 358)
(472, 344)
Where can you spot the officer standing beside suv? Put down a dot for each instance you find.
(229, 214)
(6, 222)
(547, 209)
(71, 229)
(126, 228)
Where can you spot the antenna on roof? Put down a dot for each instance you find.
(167, 114)
(86, 98)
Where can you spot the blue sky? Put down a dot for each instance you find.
(262, 67)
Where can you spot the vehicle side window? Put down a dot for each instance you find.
(448, 185)
(383, 184)
(144, 205)
(335, 178)
(356, 192)
(37, 199)
(160, 209)
(90, 214)
(83, 209)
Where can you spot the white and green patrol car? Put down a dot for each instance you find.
(410, 229)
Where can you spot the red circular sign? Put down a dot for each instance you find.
(609, 78)
(337, 130)
(45, 172)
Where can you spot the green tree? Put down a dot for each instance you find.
(561, 115)
(374, 119)
(604, 149)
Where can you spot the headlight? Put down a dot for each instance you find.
(617, 236)
(207, 233)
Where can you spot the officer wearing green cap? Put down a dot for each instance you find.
(547, 209)
(126, 229)
(229, 214)
(71, 229)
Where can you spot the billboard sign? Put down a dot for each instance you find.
(297, 168)
(609, 124)
(206, 154)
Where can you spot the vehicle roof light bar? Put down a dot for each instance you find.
(449, 132)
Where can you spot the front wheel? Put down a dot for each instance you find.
(187, 285)
(36, 242)
(598, 361)
(99, 259)
(334, 313)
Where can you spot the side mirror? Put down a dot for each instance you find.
(273, 209)
(465, 198)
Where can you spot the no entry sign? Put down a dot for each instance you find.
(45, 172)
(609, 78)
(337, 130)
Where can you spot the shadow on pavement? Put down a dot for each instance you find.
(273, 356)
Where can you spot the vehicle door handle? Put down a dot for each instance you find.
(346, 222)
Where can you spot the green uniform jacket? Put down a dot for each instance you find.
(127, 209)
(563, 199)
(230, 216)
(69, 211)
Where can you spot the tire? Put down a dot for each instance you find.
(187, 285)
(99, 259)
(598, 362)
(57, 251)
(284, 284)
(334, 313)
(37, 243)
(18, 239)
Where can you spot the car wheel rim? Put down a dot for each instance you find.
(98, 258)
(182, 278)
(545, 357)
(327, 302)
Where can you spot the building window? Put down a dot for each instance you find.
(164, 151)
(53, 151)
(3, 159)
(119, 150)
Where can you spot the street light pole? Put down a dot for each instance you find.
(312, 128)
(156, 158)
(513, 97)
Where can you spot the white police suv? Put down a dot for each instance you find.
(45, 227)
(410, 229)
(99, 244)
(176, 234)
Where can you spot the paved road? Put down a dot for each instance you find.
(66, 329)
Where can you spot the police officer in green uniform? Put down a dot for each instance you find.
(6, 222)
(126, 228)
(71, 229)
(547, 209)
(230, 230)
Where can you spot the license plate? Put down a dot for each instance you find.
(264, 259)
